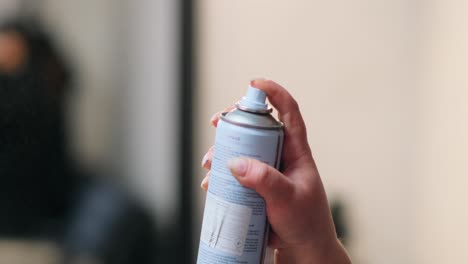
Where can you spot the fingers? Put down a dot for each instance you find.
(204, 183)
(278, 96)
(206, 164)
(273, 240)
(206, 161)
(273, 186)
(288, 112)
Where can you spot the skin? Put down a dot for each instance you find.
(302, 228)
(13, 52)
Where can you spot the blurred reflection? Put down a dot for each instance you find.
(43, 195)
(38, 183)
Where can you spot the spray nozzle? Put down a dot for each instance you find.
(254, 101)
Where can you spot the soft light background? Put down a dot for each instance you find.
(123, 114)
(382, 84)
(127, 56)
(383, 89)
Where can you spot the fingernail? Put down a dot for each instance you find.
(204, 160)
(213, 119)
(204, 183)
(252, 82)
(238, 166)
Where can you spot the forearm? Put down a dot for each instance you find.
(332, 254)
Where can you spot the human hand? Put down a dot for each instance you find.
(302, 229)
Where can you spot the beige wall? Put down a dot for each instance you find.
(371, 79)
(442, 235)
(7, 7)
(86, 32)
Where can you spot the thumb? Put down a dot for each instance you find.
(271, 184)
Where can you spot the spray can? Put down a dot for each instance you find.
(235, 227)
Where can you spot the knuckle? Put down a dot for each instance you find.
(294, 104)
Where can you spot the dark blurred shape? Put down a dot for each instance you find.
(339, 218)
(111, 228)
(43, 195)
(37, 182)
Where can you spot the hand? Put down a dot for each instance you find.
(302, 229)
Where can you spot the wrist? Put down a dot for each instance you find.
(330, 253)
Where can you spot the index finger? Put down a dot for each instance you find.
(295, 144)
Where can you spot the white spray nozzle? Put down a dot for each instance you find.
(255, 95)
(254, 100)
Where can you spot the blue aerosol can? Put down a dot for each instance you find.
(235, 227)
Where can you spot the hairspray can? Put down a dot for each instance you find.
(235, 227)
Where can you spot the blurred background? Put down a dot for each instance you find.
(105, 108)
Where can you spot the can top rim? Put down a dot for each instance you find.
(247, 109)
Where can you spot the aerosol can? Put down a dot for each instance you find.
(235, 227)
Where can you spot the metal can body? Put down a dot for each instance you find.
(235, 227)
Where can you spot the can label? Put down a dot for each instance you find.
(234, 226)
